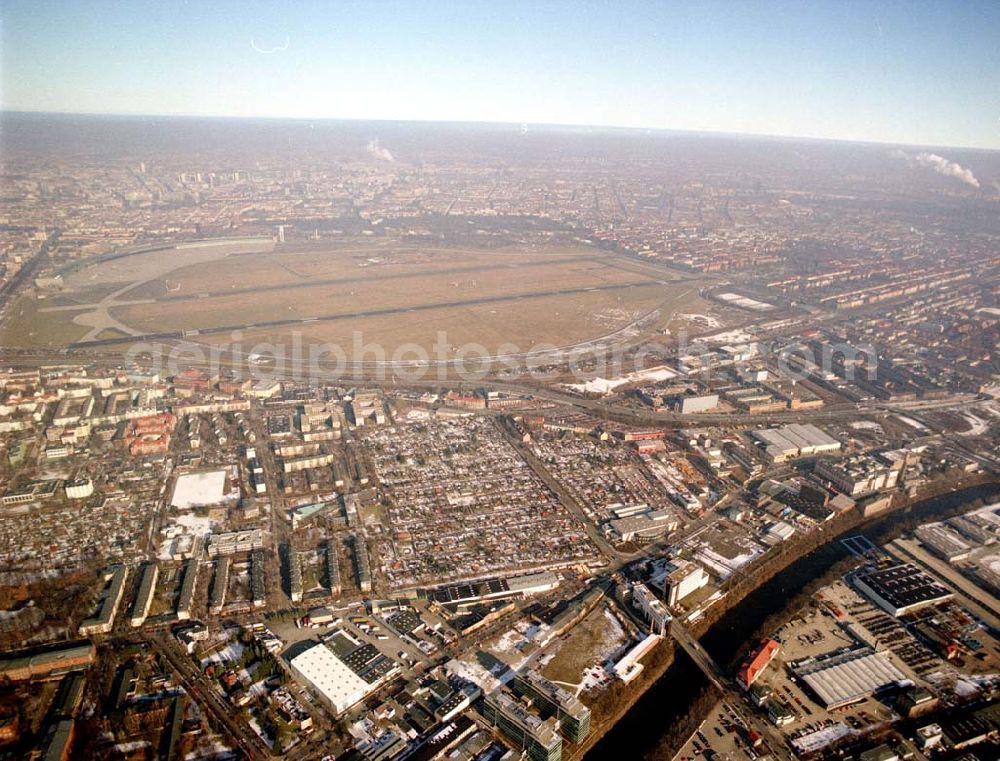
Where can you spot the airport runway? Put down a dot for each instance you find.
(173, 334)
(312, 283)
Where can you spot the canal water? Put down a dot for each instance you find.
(638, 732)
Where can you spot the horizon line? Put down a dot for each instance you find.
(474, 122)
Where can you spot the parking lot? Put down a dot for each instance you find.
(721, 737)
(813, 633)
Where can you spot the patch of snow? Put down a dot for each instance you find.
(128, 748)
(475, 673)
(185, 524)
(821, 738)
(607, 385)
(866, 425)
(615, 638)
(721, 566)
(913, 423)
(508, 642)
(977, 425)
(736, 336)
(745, 301)
(195, 489)
(701, 319)
(594, 677)
(233, 651)
(216, 751)
(194, 524)
(256, 727)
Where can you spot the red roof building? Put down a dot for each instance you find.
(756, 662)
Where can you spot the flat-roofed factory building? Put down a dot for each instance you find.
(342, 671)
(900, 589)
(329, 678)
(847, 676)
(858, 476)
(495, 588)
(944, 542)
(792, 441)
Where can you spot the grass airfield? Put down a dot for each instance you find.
(363, 291)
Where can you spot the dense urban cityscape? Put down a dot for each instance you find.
(701, 366)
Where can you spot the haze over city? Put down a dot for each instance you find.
(904, 72)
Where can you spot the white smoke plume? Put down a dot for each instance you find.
(379, 152)
(941, 165)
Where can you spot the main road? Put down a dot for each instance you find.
(736, 696)
(609, 410)
(568, 500)
(196, 685)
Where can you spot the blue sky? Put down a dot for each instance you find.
(911, 72)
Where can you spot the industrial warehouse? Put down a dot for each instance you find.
(900, 589)
(495, 588)
(329, 677)
(847, 676)
(797, 440)
(342, 671)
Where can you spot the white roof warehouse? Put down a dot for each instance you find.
(847, 676)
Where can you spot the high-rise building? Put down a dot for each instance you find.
(539, 739)
(573, 715)
(683, 577)
(652, 608)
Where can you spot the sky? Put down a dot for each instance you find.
(901, 72)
